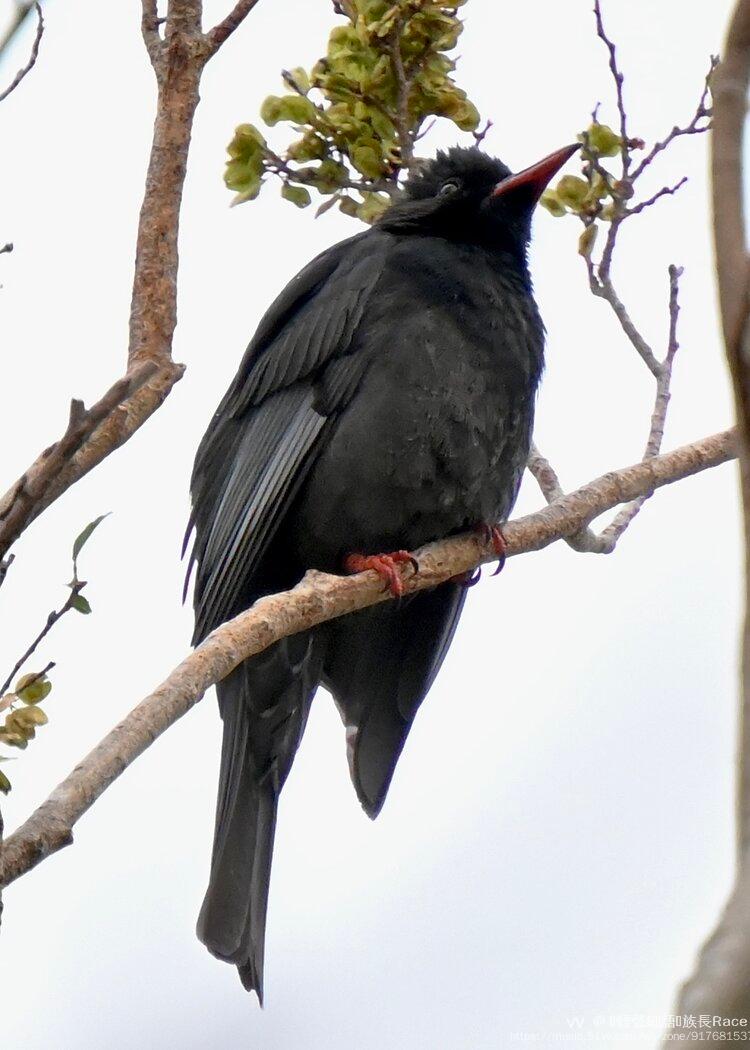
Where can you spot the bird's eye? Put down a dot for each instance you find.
(448, 188)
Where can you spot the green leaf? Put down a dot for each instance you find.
(602, 140)
(80, 604)
(287, 107)
(572, 191)
(367, 161)
(246, 142)
(552, 203)
(298, 195)
(83, 537)
(4, 784)
(372, 207)
(587, 240)
(32, 688)
(299, 78)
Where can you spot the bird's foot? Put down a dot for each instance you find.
(493, 534)
(385, 565)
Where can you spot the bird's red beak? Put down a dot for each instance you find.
(535, 178)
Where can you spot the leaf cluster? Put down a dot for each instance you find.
(596, 193)
(358, 112)
(22, 703)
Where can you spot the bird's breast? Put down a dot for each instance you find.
(435, 438)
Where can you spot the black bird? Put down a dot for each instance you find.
(386, 400)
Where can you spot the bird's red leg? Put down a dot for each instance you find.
(385, 565)
(494, 534)
(488, 534)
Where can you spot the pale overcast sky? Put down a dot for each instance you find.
(558, 837)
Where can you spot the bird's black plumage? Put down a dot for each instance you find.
(386, 400)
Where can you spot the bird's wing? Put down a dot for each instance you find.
(261, 442)
(379, 666)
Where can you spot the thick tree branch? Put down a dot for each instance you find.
(178, 63)
(720, 984)
(317, 598)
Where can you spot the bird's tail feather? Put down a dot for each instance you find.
(232, 920)
(264, 704)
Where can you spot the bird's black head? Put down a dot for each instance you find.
(468, 196)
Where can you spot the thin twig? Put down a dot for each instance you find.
(619, 81)
(665, 191)
(318, 598)
(56, 614)
(694, 127)
(610, 536)
(604, 289)
(32, 57)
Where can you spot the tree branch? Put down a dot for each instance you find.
(178, 64)
(32, 57)
(43, 481)
(720, 984)
(320, 597)
(227, 26)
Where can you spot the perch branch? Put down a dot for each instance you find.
(317, 598)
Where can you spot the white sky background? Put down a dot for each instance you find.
(558, 837)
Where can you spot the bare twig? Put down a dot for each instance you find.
(604, 289)
(619, 80)
(32, 57)
(699, 123)
(57, 614)
(227, 26)
(609, 536)
(320, 597)
(665, 191)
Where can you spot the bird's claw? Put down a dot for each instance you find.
(493, 534)
(470, 578)
(385, 565)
